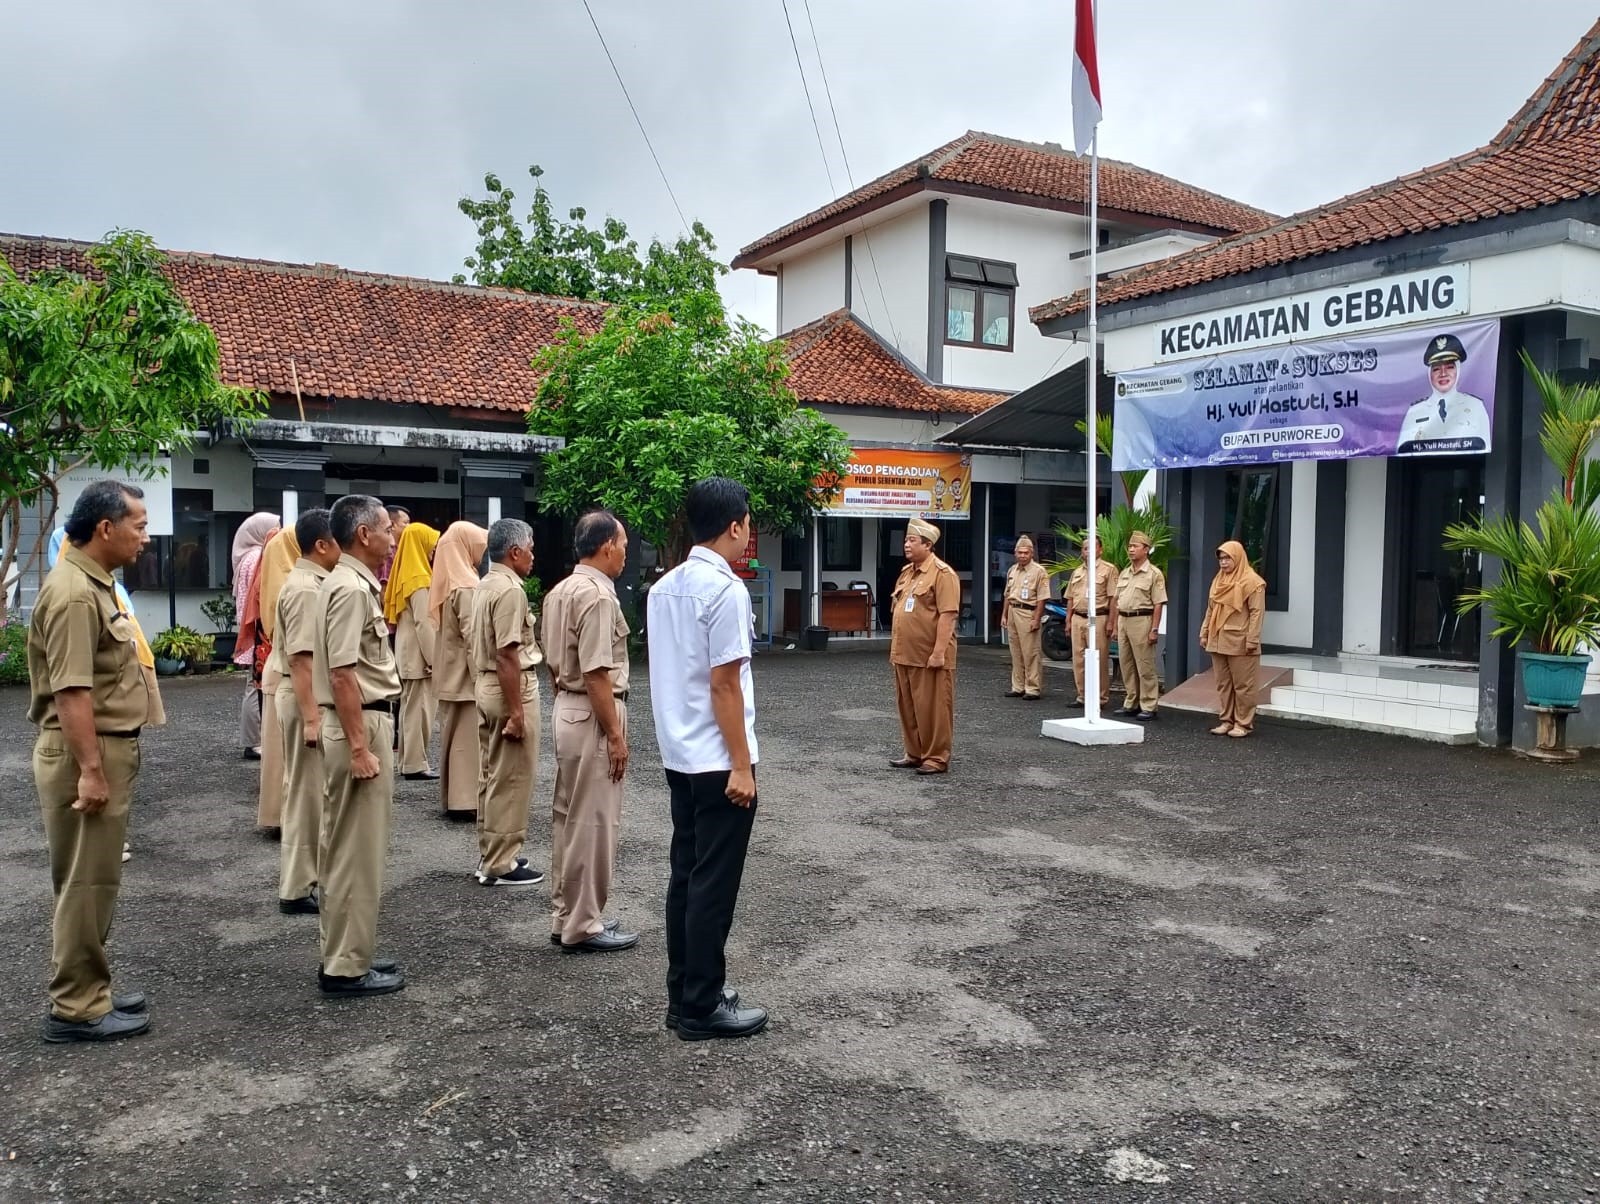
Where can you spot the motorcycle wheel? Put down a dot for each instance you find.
(1054, 643)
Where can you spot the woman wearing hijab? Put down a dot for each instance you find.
(277, 559)
(455, 577)
(406, 607)
(1231, 633)
(248, 543)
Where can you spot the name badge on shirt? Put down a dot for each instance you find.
(1027, 594)
(911, 603)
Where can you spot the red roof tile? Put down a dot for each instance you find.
(1546, 154)
(837, 361)
(354, 335)
(1029, 172)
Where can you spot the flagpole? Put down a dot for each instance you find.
(1091, 654)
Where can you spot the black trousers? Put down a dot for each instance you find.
(709, 839)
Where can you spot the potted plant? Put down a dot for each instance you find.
(168, 649)
(1548, 592)
(223, 615)
(199, 652)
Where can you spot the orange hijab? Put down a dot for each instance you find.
(455, 564)
(277, 560)
(1231, 588)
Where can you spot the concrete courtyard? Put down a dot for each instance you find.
(1316, 965)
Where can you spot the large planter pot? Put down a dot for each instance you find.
(168, 667)
(1553, 681)
(222, 646)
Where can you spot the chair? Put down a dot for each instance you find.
(872, 607)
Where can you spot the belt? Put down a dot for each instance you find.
(1100, 614)
(1025, 606)
(1134, 614)
(385, 707)
(620, 695)
(133, 735)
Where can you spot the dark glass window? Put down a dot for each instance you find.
(1256, 514)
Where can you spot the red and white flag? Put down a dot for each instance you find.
(1085, 79)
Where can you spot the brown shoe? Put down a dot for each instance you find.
(930, 769)
(905, 762)
(1222, 729)
(1239, 733)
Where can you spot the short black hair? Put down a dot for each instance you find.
(311, 526)
(505, 534)
(594, 531)
(397, 511)
(712, 505)
(350, 512)
(102, 501)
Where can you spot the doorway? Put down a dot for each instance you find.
(1436, 493)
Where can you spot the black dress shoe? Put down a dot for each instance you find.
(905, 762)
(132, 1003)
(1031, 697)
(608, 940)
(305, 905)
(422, 775)
(373, 982)
(1013, 694)
(383, 965)
(251, 754)
(729, 997)
(1145, 716)
(275, 834)
(1126, 711)
(608, 925)
(109, 1027)
(462, 816)
(724, 1022)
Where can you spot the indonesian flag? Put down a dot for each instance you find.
(1085, 79)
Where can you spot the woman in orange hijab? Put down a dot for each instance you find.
(277, 558)
(1231, 633)
(405, 606)
(450, 596)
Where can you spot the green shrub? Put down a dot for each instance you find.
(13, 653)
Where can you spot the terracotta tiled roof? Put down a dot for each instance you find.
(1548, 153)
(838, 361)
(354, 335)
(1029, 170)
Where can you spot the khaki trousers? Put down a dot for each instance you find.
(508, 770)
(1080, 642)
(355, 846)
(1236, 688)
(926, 700)
(460, 759)
(416, 723)
(300, 844)
(1027, 670)
(85, 869)
(1138, 656)
(269, 800)
(249, 713)
(585, 819)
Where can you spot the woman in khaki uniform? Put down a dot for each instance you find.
(1231, 633)
(405, 607)
(277, 561)
(450, 596)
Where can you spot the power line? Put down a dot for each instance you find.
(815, 125)
(648, 145)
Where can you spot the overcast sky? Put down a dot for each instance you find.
(344, 131)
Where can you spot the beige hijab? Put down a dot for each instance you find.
(455, 564)
(1231, 588)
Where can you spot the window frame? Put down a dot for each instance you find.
(1277, 542)
(978, 288)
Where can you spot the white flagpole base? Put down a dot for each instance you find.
(1092, 731)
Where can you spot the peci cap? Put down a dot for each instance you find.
(1444, 348)
(923, 529)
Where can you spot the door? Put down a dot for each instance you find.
(1439, 492)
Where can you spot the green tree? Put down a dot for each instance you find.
(544, 254)
(1120, 523)
(655, 401)
(107, 369)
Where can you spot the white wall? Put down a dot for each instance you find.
(1366, 493)
(1040, 242)
(1292, 627)
(810, 286)
(893, 300)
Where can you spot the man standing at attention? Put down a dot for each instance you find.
(89, 698)
(588, 641)
(922, 649)
(1104, 618)
(355, 682)
(299, 717)
(1136, 626)
(700, 626)
(1027, 587)
(506, 658)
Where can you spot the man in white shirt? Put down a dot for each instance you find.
(699, 631)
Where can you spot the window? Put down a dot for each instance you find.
(1256, 512)
(841, 546)
(197, 553)
(980, 300)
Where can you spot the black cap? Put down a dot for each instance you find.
(1443, 347)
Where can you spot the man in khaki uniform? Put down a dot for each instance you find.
(505, 658)
(588, 641)
(355, 683)
(1105, 617)
(922, 649)
(1021, 612)
(1136, 625)
(299, 718)
(89, 699)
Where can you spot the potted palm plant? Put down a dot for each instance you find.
(1548, 592)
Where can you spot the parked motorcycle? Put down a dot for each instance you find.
(1055, 637)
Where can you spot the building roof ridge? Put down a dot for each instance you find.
(1583, 57)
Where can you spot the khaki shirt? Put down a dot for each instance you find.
(1140, 589)
(297, 614)
(584, 627)
(452, 663)
(1027, 587)
(1105, 587)
(80, 638)
(921, 594)
(350, 631)
(501, 616)
(414, 638)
